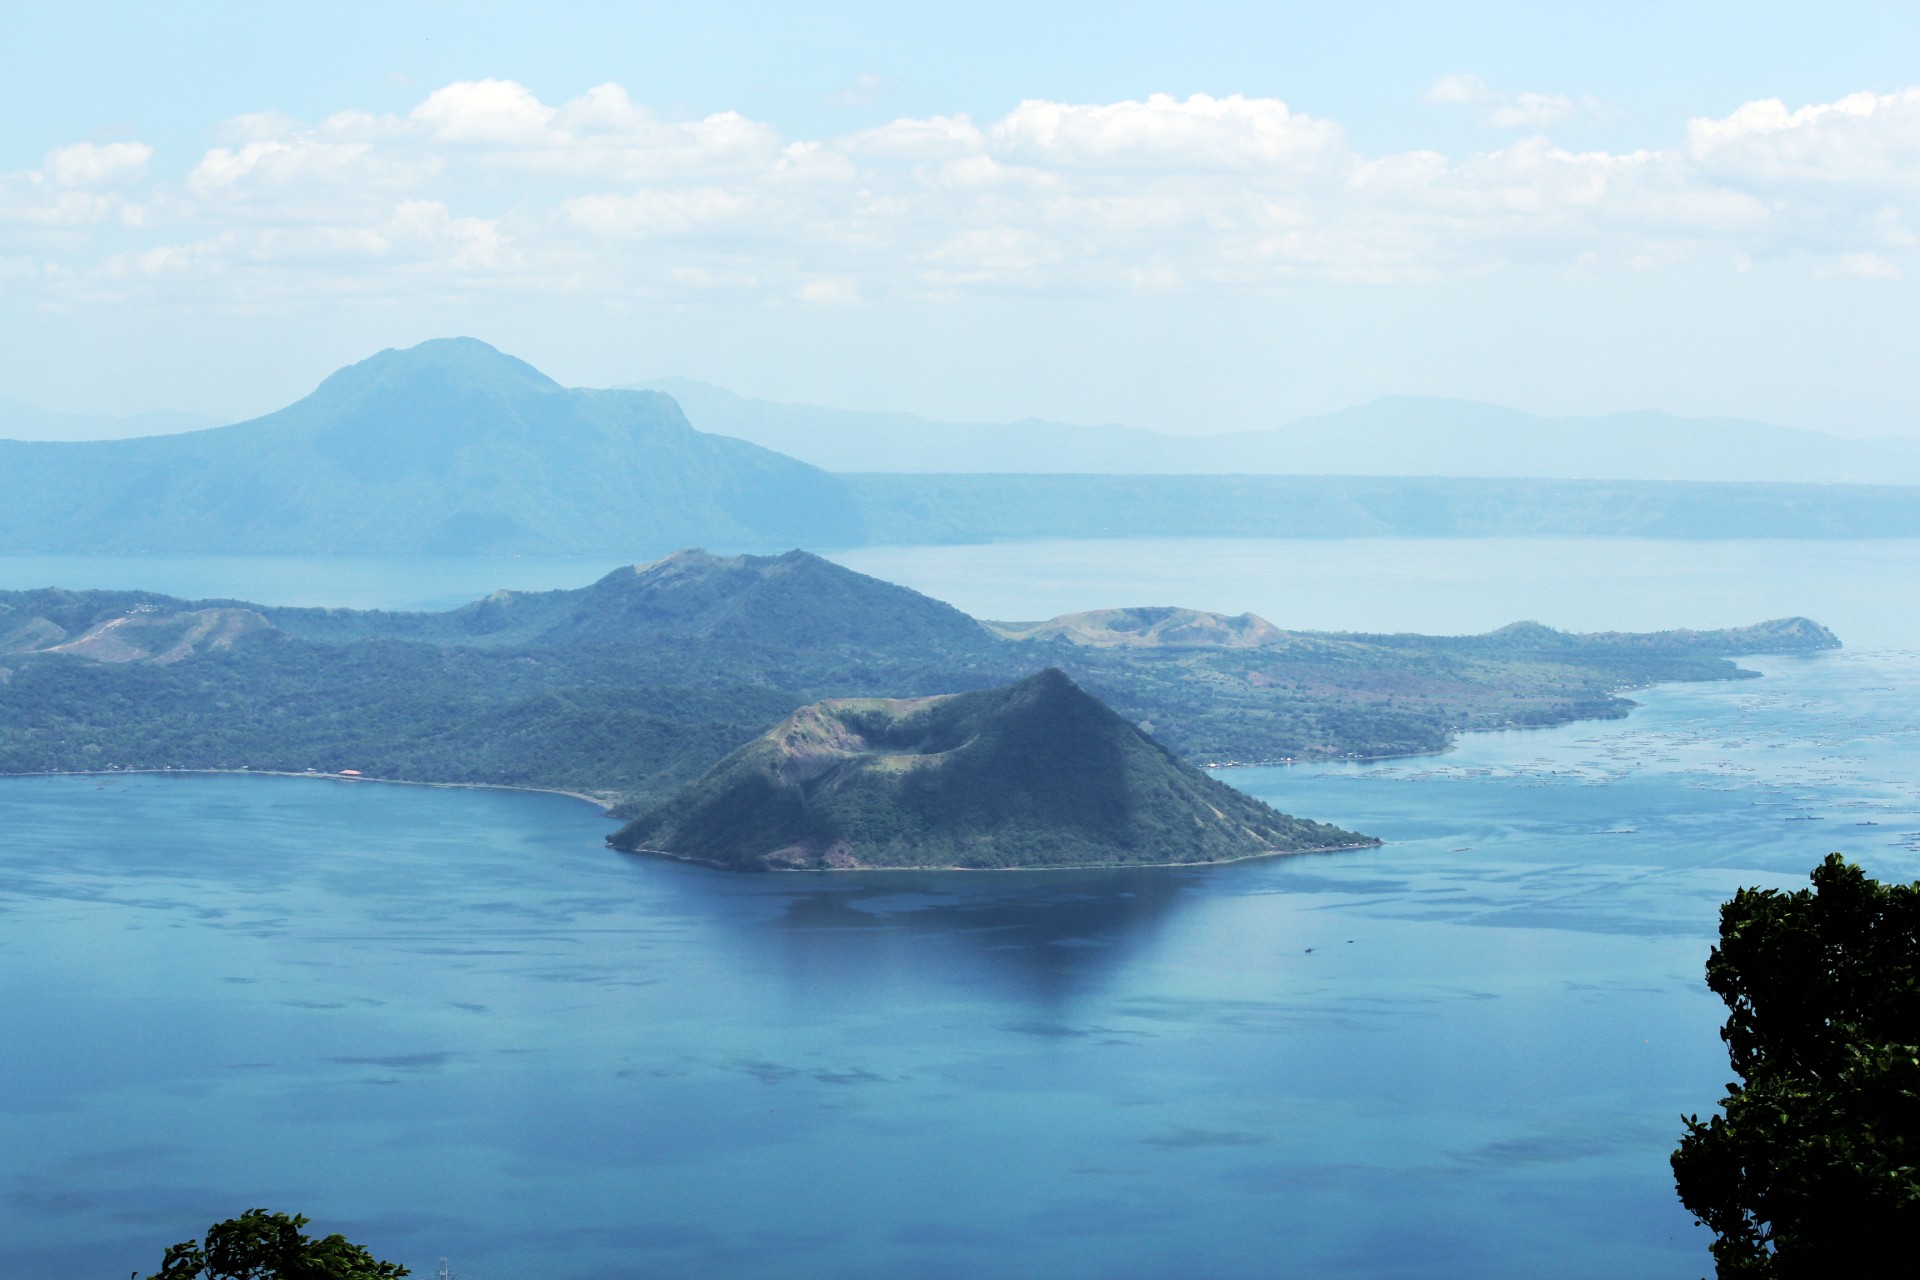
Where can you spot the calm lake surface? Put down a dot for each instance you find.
(454, 1023)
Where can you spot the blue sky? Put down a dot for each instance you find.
(1193, 217)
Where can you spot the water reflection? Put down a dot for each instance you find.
(455, 1022)
(1045, 938)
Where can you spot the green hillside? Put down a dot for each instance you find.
(634, 685)
(1034, 774)
(795, 602)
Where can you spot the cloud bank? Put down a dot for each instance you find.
(483, 186)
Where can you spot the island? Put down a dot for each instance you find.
(1034, 774)
(635, 686)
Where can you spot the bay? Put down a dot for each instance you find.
(454, 1023)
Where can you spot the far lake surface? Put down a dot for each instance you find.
(454, 1023)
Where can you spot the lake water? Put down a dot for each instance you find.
(454, 1023)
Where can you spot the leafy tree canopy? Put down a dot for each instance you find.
(259, 1245)
(1810, 1170)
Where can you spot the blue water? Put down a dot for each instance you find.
(1865, 590)
(454, 1023)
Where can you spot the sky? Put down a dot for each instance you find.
(1193, 217)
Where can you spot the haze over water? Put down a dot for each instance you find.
(454, 1023)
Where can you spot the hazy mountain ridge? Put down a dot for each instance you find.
(447, 446)
(452, 447)
(954, 509)
(881, 440)
(1166, 627)
(1389, 436)
(1038, 773)
(22, 421)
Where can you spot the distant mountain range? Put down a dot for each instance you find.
(22, 421)
(908, 509)
(452, 447)
(1391, 436)
(449, 446)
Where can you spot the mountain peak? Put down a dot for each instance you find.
(436, 363)
(795, 599)
(1038, 773)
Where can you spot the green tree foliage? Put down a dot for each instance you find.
(259, 1245)
(1810, 1170)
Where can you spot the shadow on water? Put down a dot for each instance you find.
(1045, 937)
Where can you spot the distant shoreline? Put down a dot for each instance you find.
(603, 803)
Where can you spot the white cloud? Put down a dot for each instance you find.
(93, 164)
(1531, 111)
(279, 162)
(1868, 266)
(865, 88)
(486, 111)
(1512, 111)
(602, 132)
(1459, 90)
(812, 162)
(933, 138)
(44, 209)
(483, 185)
(1862, 138)
(428, 231)
(1200, 134)
(830, 291)
(645, 213)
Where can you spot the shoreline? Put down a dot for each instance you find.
(606, 806)
(1454, 735)
(604, 803)
(1083, 866)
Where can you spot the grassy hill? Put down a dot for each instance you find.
(786, 603)
(1038, 773)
